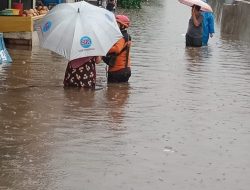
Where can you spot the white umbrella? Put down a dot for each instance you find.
(204, 6)
(76, 30)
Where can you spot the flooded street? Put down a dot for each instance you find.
(182, 122)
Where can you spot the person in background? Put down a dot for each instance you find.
(208, 26)
(194, 32)
(118, 57)
(39, 3)
(111, 5)
(81, 72)
(104, 4)
(99, 3)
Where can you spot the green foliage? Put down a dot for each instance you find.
(128, 4)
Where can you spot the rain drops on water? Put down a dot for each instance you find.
(168, 149)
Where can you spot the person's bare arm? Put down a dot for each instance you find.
(196, 21)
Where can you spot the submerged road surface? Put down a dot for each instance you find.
(182, 122)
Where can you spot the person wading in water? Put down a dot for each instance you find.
(81, 72)
(118, 57)
(194, 32)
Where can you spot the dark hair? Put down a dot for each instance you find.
(196, 7)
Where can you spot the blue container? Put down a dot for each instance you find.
(51, 2)
(4, 55)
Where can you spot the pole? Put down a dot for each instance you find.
(9, 4)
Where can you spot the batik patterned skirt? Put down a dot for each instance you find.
(83, 76)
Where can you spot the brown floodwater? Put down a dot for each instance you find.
(182, 121)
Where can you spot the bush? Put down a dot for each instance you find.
(128, 4)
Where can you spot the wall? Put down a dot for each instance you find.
(236, 19)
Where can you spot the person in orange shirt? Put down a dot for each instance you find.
(118, 57)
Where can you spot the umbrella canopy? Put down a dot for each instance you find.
(76, 30)
(204, 6)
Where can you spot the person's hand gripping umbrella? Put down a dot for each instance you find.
(204, 6)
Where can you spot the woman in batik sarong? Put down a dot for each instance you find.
(81, 72)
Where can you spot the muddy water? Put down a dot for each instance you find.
(182, 122)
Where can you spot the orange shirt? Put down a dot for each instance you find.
(121, 58)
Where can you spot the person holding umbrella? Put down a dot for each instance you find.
(81, 72)
(81, 33)
(194, 32)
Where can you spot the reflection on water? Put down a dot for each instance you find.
(198, 55)
(182, 122)
(116, 98)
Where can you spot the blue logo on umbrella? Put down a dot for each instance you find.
(85, 42)
(47, 26)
